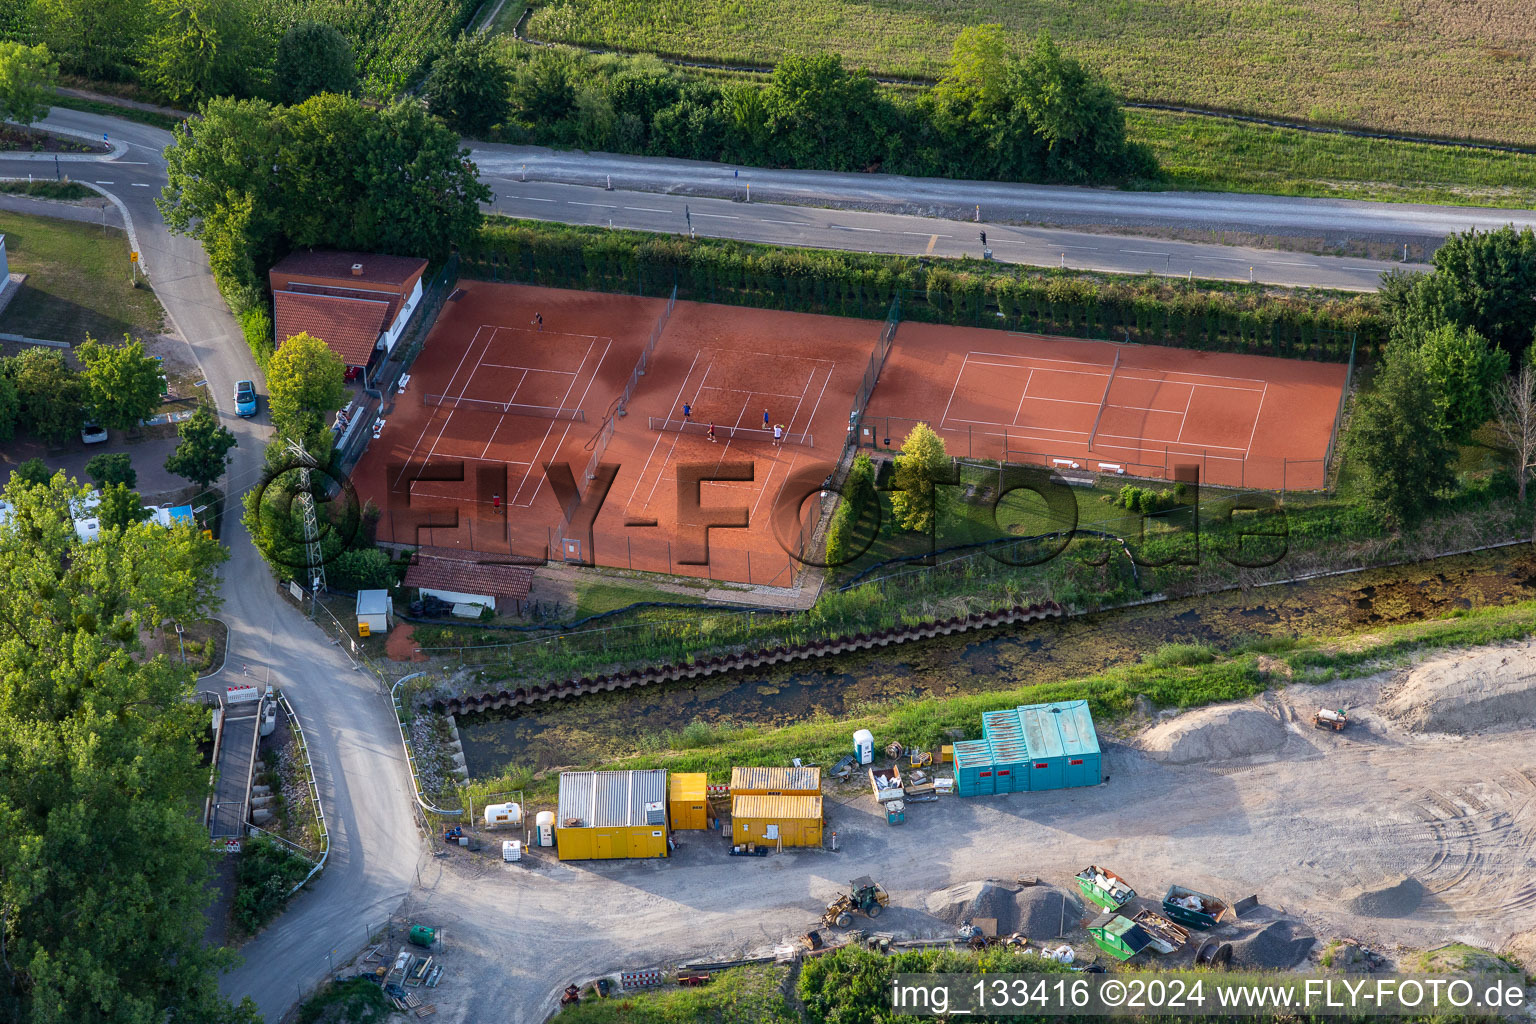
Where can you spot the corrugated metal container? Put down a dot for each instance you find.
(974, 775)
(1080, 741)
(1042, 736)
(793, 820)
(774, 781)
(1010, 757)
(602, 815)
(687, 801)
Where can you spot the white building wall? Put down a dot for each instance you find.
(389, 337)
(455, 597)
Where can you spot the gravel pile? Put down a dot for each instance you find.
(1039, 911)
(1277, 945)
(969, 900)
(1214, 734)
(1398, 898)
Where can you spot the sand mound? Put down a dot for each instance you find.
(1397, 898)
(1467, 692)
(1034, 911)
(1278, 945)
(1214, 734)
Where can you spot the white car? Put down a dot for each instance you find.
(93, 433)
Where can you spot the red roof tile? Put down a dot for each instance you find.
(455, 572)
(377, 269)
(351, 327)
(379, 294)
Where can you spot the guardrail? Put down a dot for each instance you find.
(410, 757)
(314, 791)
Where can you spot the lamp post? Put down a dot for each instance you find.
(180, 642)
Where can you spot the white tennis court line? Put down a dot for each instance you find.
(713, 349)
(1257, 412)
(538, 452)
(963, 364)
(1023, 394)
(490, 440)
(647, 467)
(545, 334)
(527, 369)
(662, 472)
(1185, 417)
(428, 424)
(1076, 362)
(770, 394)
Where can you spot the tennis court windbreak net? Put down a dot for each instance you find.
(547, 412)
(727, 433)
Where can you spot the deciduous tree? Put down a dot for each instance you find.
(28, 75)
(93, 38)
(305, 386)
(313, 57)
(50, 394)
(1514, 406)
(111, 468)
(1485, 280)
(103, 861)
(122, 383)
(1463, 370)
(919, 499)
(469, 86)
(121, 507)
(1398, 437)
(197, 49)
(203, 451)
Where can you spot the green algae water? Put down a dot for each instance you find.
(604, 726)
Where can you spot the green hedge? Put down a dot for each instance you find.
(1144, 309)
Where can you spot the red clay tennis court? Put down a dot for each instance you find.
(1099, 407)
(492, 399)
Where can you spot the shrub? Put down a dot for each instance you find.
(265, 881)
(361, 569)
(1180, 656)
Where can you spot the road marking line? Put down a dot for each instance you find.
(530, 199)
(845, 227)
(99, 182)
(1282, 263)
(647, 209)
(140, 184)
(924, 234)
(600, 206)
(767, 220)
(1224, 259)
(931, 240)
(717, 216)
(1146, 252)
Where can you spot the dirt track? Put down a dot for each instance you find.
(1323, 817)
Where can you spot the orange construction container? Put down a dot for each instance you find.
(688, 800)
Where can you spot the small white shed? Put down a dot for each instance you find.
(375, 609)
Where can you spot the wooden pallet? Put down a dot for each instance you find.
(412, 1000)
(427, 1011)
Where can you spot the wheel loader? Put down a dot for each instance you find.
(866, 897)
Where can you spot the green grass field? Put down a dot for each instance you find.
(79, 282)
(1458, 68)
(1207, 153)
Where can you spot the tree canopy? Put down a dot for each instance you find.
(468, 86)
(28, 75)
(305, 386)
(253, 181)
(112, 468)
(313, 57)
(203, 451)
(1462, 370)
(1398, 436)
(49, 394)
(122, 384)
(918, 499)
(1485, 280)
(103, 861)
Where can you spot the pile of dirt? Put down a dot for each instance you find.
(1398, 897)
(1039, 912)
(1467, 693)
(1214, 734)
(968, 901)
(1277, 945)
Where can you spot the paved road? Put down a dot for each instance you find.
(359, 766)
(916, 235)
(1000, 201)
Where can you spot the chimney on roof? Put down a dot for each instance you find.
(357, 270)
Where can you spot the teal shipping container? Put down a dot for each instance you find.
(974, 773)
(1063, 746)
(1010, 757)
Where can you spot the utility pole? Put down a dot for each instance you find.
(311, 527)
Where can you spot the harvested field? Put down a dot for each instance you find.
(1441, 67)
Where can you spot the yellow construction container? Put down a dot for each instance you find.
(775, 781)
(687, 802)
(776, 820)
(609, 815)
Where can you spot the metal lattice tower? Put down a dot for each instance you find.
(315, 563)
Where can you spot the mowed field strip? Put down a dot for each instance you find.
(1438, 66)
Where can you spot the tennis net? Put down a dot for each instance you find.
(548, 412)
(727, 433)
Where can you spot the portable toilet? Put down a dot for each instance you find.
(973, 769)
(864, 746)
(545, 826)
(503, 814)
(375, 608)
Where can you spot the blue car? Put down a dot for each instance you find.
(245, 398)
